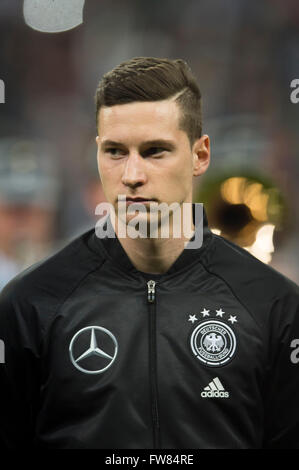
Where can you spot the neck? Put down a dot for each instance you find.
(156, 255)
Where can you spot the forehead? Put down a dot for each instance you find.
(143, 119)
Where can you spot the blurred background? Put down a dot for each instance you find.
(53, 53)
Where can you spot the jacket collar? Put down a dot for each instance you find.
(117, 254)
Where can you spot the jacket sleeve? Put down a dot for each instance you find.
(282, 378)
(19, 368)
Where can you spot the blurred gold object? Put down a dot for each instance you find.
(246, 209)
(239, 190)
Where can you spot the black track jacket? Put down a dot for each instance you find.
(101, 355)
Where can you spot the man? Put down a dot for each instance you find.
(146, 342)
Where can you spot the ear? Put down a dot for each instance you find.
(98, 160)
(97, 139)
(201, 155)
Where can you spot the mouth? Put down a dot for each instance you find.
(138, 200)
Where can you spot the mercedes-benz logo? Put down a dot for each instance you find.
(93, 350)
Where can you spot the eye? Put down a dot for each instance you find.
(156, 151)
(114, 151)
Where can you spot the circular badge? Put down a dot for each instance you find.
(213, 343)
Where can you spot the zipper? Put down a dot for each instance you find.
(151, 291)
(151, 299)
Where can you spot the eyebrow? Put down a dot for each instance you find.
(147, 143)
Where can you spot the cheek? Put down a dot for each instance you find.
(105, 171)
(110, 175)
(181, 173)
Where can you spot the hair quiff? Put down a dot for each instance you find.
(154, 79)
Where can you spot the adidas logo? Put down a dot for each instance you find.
(215, 389)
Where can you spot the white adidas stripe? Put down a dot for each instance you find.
(215, 385)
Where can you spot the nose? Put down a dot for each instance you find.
(134, 174)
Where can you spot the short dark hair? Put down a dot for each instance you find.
(154, 79)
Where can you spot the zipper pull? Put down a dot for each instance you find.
(151, 291)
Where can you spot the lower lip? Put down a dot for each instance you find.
(138, 202)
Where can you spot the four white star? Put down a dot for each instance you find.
(219, 313)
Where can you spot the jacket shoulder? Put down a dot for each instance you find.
(253, 282)
(51, 280)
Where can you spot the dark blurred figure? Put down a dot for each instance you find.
(28, 203)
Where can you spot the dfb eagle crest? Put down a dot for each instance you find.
(213, 342)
